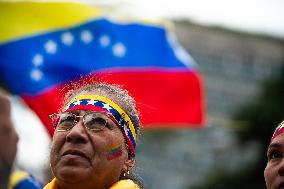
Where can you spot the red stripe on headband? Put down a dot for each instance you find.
(86, 107)
(280, 131)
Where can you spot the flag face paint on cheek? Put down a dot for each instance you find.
(114, 151)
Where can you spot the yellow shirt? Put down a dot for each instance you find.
(122, 184)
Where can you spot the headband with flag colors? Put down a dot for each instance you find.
(279, 130)
(101, 103)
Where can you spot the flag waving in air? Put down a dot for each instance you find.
(45, 45)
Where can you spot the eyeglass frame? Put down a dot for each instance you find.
(110, 116)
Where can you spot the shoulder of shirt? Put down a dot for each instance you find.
(122, 184)
(125, 184)
(21, 179)
(52, 185)
(17, 177)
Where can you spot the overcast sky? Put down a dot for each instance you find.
(259, 16)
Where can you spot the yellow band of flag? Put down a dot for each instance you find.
(21, 19)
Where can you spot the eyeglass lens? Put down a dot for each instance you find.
(92, 121)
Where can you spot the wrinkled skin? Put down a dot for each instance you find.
(274, 171)
(79, 157)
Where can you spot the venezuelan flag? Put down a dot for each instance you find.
(44, 45)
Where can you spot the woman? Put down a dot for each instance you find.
(94, 141)
(274, 171)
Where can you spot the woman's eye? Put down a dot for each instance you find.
(98, 121)
(66, 120)
(95, 123)
(274, 155)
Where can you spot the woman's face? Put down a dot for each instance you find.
(89, 158)
(274, 171)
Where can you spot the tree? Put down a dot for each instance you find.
(258, 121)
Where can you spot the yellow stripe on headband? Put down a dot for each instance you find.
(109, 102)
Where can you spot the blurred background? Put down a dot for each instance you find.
(239, 49)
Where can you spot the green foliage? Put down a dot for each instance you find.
(236, 180)
(262, 116)
(257, 121)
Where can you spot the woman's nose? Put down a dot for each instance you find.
(78, 133)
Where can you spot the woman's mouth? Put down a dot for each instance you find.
(75, 153)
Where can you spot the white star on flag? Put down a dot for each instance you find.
(119, 49)
(67, 38)
(78, 102)
(106, 106)
(125, 130)
(92, 102)
(37, 60)
(50, 47)
(104, 40)
(36, 74)
(86, 36)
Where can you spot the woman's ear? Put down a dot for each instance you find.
(129, 164)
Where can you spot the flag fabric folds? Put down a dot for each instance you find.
(45, 45)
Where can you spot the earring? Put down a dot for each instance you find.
(124, 174)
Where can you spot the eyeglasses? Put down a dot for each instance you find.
(93, 121)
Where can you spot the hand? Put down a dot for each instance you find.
(8, 135)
